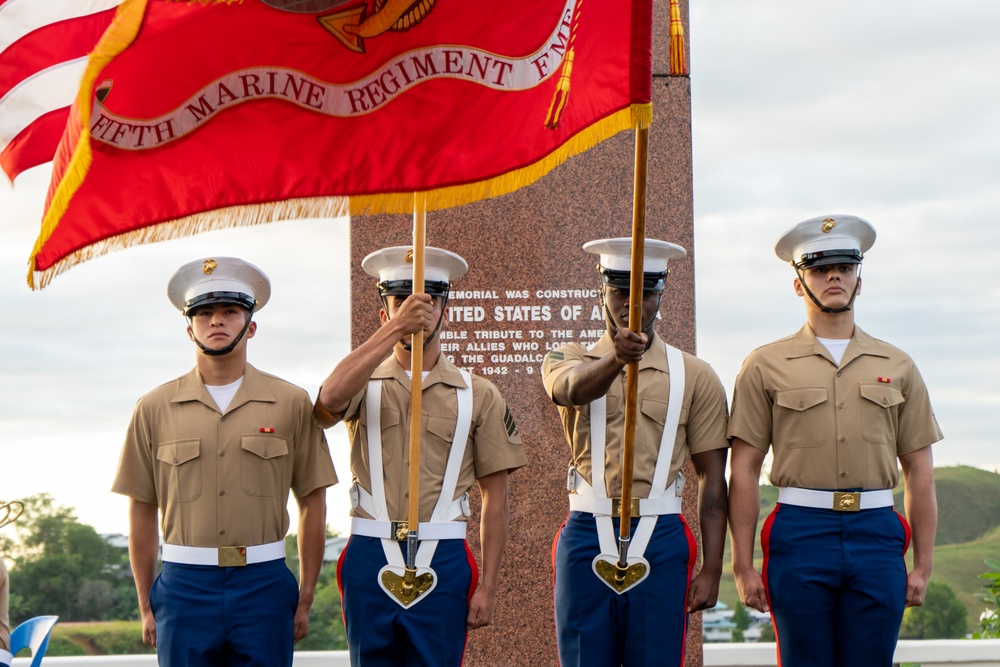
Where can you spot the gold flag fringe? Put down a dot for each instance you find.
(222, 218)
(637, 115)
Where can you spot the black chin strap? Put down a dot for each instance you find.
(827, 309)
(611, 320)
(227, 349)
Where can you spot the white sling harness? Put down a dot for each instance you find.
(442, 525)
(594, 498)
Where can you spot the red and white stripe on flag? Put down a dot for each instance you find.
(43, 52)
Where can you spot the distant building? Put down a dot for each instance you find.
(717, 623)
(334, 546)
(718, 626)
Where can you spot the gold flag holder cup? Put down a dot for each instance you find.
(407, 586)
(620, 579)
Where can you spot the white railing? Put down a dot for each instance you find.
(930, 653)
(927, 653)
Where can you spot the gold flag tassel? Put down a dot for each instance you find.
(561, 94)
(678, 63)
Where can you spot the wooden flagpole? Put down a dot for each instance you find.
(416, 388)
(635, 322)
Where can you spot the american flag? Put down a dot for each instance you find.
(43, 52)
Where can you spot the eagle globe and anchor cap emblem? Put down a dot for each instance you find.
(362, 19)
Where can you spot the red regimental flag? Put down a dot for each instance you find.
(43, 53)
(194, 115)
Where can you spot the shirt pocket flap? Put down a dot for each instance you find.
(801, 399)
(178, 452)
(389, 418)
(442, 427)
(654, 409)
(882, 394)
(265, 446)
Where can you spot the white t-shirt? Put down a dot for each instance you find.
(223, 394)
(835, 346)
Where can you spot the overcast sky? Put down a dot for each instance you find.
(887, 110)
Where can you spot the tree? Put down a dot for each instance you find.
(942, 616)
(741, 619)
(64, 567)
(989, 620)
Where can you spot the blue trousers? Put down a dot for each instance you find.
(428, 633)
(224, 616)
(642, 627)
(836, 583)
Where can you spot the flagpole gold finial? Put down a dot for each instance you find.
(10, 511)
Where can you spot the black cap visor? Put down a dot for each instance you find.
(210, 298)
(405, 287)
(827, 257)
(651, 282)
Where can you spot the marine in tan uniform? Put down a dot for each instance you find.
(838, 409)
(681, 411)
(467, 437)
(216, 452)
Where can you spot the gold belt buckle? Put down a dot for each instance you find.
(398, 530)
(847, 501)
(616, 507)
(232, 556)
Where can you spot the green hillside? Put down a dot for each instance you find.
(968, 533)
(968, 503)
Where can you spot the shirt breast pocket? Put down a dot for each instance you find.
(801, 418)
(655, 411)
(441, 432)
(390, 433)
(263, 464)
(178, 475)
(879, 409)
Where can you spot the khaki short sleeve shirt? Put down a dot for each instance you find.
(702, 424)
(829, 426)
(223, 479)
(494, 443)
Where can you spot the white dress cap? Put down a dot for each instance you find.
(826, 239)
(396, 263)
(218, 276)
(616, 254)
